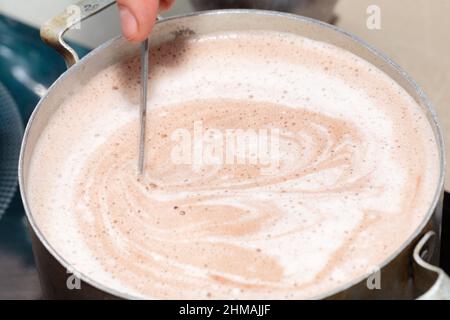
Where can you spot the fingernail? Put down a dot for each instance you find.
(128, 22)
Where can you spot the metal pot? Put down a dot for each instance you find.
(406, 274)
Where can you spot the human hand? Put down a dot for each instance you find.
(137, 17)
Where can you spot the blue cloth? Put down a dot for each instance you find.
(27, 68)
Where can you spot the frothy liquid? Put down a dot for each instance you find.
(358, 166)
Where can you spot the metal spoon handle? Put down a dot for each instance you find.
(143, 109)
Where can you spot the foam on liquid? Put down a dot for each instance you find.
(363, 177)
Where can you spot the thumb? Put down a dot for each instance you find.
(137, 18)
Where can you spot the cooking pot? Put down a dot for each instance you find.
(406, 274)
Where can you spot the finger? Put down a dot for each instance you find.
(166, 4)
(137, 17)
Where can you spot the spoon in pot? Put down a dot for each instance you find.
(143, 106)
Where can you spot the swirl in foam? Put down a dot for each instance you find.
(356, 176)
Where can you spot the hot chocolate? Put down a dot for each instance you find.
(352, 175)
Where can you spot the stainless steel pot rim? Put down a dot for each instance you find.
(423, 97)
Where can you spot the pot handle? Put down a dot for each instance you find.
(53, 31)
(425, 273)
